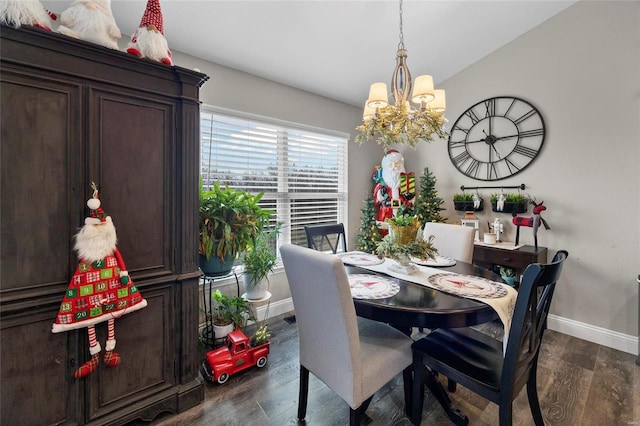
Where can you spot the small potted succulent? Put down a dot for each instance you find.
(466, 202)
(509, 203)
(508, 275)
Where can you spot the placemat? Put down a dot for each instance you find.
(360, 258)
(368, 286)
(468, 286)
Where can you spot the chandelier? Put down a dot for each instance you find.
(402, 122)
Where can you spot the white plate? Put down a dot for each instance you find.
(367, 286)
(360, 258)
(439, 261)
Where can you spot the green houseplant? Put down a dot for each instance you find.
(259, 261)
(229, 220)
(230, 313)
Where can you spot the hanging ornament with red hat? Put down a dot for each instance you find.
(100, 289)
(148, 41)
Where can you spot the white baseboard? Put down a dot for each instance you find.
(591, 333)
(275, 308)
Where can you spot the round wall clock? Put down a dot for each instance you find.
(496, 138)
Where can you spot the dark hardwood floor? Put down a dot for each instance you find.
(579, 383)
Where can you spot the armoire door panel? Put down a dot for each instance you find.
(40, 169)
(131, 137)
(38, 387)
(146, 345)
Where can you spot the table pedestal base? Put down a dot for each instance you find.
(436, 388)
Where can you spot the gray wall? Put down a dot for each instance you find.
(582, 70)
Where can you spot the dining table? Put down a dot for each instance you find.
(414, 304)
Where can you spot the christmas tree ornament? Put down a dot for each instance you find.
(100, 289)
(16, 13)
(91, 20)
(148, 41)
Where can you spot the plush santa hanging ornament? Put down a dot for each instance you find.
(91, 20)
(100, 289)
(25, 12)
(148, 41)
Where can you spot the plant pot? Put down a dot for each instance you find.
(464, 206)
(255, 291)
(220, 331)
(510, 207)
(215, 267)
(405, 234)
(510, 280)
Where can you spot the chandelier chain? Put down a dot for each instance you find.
(401, 44)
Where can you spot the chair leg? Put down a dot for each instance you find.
(303, 393)
(505, 413)
(355, 416)
(417, 394)
(407, 380)
(532, 394)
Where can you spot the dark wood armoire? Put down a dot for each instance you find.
(74, 112)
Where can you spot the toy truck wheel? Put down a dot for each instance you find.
(262, 361)
(223, 378)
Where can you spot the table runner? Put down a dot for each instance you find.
(503, 306)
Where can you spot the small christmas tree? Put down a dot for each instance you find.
(369, 234)
(428, 204)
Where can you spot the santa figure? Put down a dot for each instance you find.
(91, 20)
(148, 41)
(100, 289)
(396, 188)
(25, 12)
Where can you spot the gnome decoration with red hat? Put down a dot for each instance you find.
(25, 12)
(91, 20)
(148, 41)
(100, 290)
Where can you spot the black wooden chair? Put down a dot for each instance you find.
(475, 360)
(326, 237)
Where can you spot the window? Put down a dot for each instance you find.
(302, 170)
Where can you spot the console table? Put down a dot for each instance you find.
(518, 259)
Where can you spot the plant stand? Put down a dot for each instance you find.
(258, 302)
(207, 336)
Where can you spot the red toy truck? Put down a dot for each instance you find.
(236, 355)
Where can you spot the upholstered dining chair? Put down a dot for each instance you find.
(326, 237)
(353, 356)
(454, 241)
(475, 360)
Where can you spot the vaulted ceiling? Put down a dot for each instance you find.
(337, 48)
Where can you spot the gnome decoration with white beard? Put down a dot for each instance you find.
(16, 13)
(91, 20)
(148, 41)
(100, 289)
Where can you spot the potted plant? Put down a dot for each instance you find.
(465, 202)
(508, 275)
(229, 220)
(259, 261)
(230, 313)
(401, 244)
(509, 202)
